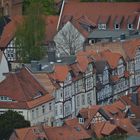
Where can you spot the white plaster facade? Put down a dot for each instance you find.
(68, 40)
(3, 66)
(41, 114)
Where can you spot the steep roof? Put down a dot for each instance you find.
(130, 48)
(9, 31)
(51, 28)
(60, 72)
(32, 133)
(111, 57)
(94, 10)
(45, 81)
(66, 133)
(24, 90)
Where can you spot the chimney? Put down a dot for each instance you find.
(112, 121)
(51, 52)
(35, 65)
(85, 43)
(135, 98)
(122, 37)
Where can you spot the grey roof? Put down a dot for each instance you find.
(100, 65)
(108, 33)
(113, 34)
(45, 66)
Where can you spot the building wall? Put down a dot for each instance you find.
(23, 112)
(3, 67)
(10, 51)
(68, 35)
(42, 114)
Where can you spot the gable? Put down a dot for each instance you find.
(98, 118)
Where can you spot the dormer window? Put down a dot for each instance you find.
(38, 94)
(102, 26)
(81, 120)
(103, 22)
(117, 26)
(5, 99)
(117, 22)
(130, 22)
(130, 26)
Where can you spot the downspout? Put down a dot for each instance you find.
(138, 25)
(60, 15)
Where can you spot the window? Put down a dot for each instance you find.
(61, 109)
(105, 77)
(5, 99)
(102, 26)
(89, 83)
(20, 112)
(78, 101)
(67, 108)
(50, 106)
(83, 99)
(117, 26)
(43, 109)
(81, 120)
(130, 26)
(56, 110)
(37, 112)
(89, 98)
(33, 115)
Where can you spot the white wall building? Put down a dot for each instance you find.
(68, 40)
(3, 66)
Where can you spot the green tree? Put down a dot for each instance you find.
(9, 121)
(30, 34)
(49, 6)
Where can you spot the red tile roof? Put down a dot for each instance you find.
(45, 81)
(60, 72)
(51, 133)
(86, 57)
(130, 48)
(31, 133)
(134, 109)
(72, 122)
(66, 133)
(127, 48)
(111, 57)
(14, 105)
(95, 9)
(24, 89)
(77, 25)
(108, 129)
(40, 101)
(127, 125)
(9, 31)
(51, 27)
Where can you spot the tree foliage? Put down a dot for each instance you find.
(30, 34)
(48, 5)
(9, 121)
